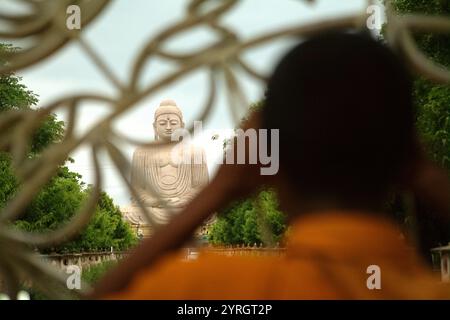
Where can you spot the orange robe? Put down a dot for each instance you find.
(327, 257)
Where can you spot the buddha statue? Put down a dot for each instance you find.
(163, 182)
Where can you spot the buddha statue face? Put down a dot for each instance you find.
(165, 125)
(168, 118)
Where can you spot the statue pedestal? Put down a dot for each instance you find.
(133, 215)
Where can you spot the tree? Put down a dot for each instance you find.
(432, 101)
(65, 193)
(432, 105)
(15, 96)
(249, 221)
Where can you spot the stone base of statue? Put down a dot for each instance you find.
(138, 223)
(134, 216)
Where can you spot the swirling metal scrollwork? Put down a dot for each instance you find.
(46, 25)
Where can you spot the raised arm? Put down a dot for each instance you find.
(226, 186)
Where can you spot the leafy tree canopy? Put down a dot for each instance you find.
(432, 101)
(251, 221)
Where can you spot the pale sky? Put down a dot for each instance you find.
(124, 27)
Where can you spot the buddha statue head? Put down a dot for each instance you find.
(168, 118)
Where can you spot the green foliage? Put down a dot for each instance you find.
(433, 119)
(107, 229)
(56, 203)
(8, 181)
(59, 201)
(249, 221)
(50, 131)
(94, 273)
(432, 104)
(65, 193)
(432, 101)
(13, 94)
(422, 6)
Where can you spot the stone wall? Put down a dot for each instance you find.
(87, 259)
(192, 253)
(82, 260)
